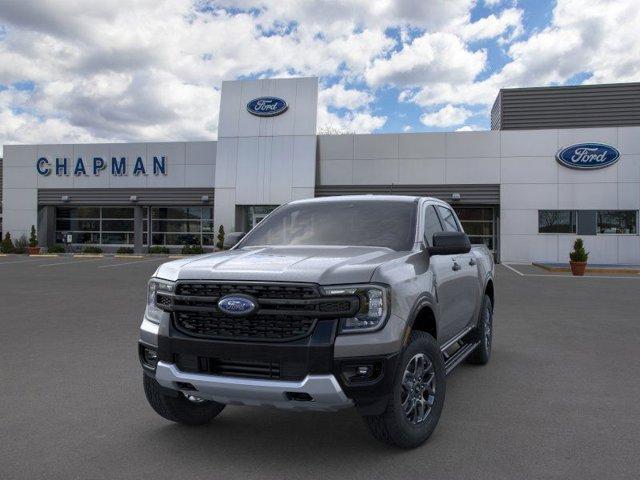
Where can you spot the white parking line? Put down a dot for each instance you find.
(513, 269)
(551, 275)
(72, 262)
(128, 263)
(22, 261)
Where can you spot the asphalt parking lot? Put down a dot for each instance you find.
(559, 398)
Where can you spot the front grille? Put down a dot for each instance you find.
(285, 312)
(257, 327)
(228, 367)
(266, 291)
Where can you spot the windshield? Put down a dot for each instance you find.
(372, 223)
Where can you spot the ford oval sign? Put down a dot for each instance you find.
(237, 305)
(267, 106)
(588, 156)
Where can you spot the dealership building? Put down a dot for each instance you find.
(559, 162)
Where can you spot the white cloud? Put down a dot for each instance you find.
(407, 128)
(447, 116)
(433, 57)
(508, 22)
(469, 128)
(340, 97)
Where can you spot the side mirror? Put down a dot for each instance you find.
(449, 243)
(232, 238)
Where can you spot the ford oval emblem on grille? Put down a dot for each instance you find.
(237, 305)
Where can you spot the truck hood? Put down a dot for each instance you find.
(323, 265)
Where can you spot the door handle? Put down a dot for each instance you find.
(472, 261)
(456, 266)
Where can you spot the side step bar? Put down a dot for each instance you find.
(463, 352)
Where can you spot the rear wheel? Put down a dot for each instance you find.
(484, 334)
(418, 395)
(186, 409)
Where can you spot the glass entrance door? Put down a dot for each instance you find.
(480, 224)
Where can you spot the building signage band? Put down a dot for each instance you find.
(267, 106)
(588, 156)
(118, 166)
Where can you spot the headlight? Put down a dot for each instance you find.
(374, 305)
(153, 312)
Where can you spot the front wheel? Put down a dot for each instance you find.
(188, 410)
(417, 398)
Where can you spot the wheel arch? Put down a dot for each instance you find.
(423, 318)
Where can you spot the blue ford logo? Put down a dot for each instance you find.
(267, 106)
(236, 305)
(588, 156)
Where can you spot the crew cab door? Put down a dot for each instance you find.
(456, 289)
(464, 284)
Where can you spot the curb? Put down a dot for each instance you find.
(45, 255)
(88, 255)
(127, 255)
(549, 268)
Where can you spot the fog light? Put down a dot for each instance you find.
(364, 371)
(150, 357)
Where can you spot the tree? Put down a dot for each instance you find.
(220, 242)
(33, 238)
(7, 244)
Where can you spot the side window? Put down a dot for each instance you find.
(431, 224)
(449, 221)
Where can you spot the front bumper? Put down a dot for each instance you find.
(314, 392)
(311, 376)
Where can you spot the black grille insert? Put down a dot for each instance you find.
(228, 367)
(289, 292)
(259, 327)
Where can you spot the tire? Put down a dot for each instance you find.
(483, 334)
(179, 409)
(393, 426)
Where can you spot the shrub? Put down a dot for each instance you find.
(192, 250)
(20, 245)
(57, 248)
(579, 254)
(125, 250)
(220, 242)
(7, 244)
(91, 249)
(33, 238)
(158, 249)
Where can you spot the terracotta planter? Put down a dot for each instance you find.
(578, 268)
(33, 250)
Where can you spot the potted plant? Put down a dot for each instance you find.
(220, 242)
(578, 258)
(33, 249)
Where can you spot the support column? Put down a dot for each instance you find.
(46, 226)
(137, 228)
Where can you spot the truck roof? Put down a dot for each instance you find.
(364, 198)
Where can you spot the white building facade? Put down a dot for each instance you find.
(508, 187)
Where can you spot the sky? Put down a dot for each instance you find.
(74, 71)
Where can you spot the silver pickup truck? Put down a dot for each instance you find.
(355, 301)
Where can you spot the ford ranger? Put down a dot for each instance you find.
(328, 303)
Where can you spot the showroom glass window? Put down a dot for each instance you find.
(96, 225)
(478, 223)
(556, 221)
(618, 222)
(182, 226)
